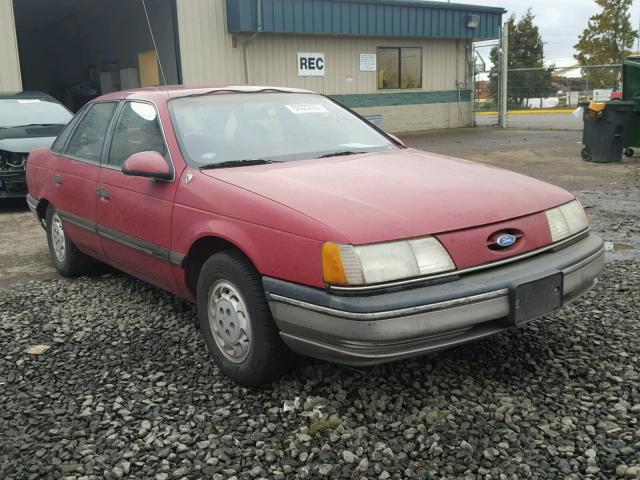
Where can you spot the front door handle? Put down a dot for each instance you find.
(103, 193)
(58, 179)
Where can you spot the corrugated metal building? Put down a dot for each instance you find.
(406, 62)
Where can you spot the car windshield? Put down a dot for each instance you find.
(17, 112)
(245, 128)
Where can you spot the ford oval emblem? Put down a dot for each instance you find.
(506, 240)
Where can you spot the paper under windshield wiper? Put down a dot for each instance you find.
(339, 154)
(237, 163)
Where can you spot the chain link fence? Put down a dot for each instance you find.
(542, 97)
(485, 99)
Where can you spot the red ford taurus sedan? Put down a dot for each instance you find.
(297, 226)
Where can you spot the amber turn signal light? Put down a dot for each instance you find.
(332, 266)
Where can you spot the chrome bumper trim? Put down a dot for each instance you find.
(32, 203)
(458, 302)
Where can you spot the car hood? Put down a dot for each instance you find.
(398, 194)
(25, 145)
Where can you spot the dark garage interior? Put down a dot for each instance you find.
(76, 50)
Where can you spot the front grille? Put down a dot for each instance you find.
(12, 183)
(12, 162)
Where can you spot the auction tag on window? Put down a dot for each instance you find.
(307, 108)
(29, 100)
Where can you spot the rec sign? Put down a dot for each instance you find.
(310, 64)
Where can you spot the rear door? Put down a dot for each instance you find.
(76, 175)
(134, 213)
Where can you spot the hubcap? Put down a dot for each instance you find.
(229, 321)
(57, 237)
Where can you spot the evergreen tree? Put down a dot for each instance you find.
(526, 50)
(607, 39)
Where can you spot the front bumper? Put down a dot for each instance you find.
(367, 330)
(13, 183)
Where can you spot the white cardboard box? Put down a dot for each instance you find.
(129, 78)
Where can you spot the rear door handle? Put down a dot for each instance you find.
(58, 179)
(103, 193)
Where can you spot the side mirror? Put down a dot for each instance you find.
(149, 165)
(397, 139)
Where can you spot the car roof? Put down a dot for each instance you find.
(27, 95)
(176, 91)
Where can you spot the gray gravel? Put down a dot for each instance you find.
(127, 390)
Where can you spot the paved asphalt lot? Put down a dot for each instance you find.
(127, 390)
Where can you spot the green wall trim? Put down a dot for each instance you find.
(369, 18)
(402, 98)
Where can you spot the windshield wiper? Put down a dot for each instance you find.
(339, 154)
(237, 163)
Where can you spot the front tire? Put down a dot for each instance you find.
(68, 260)
(236, 321)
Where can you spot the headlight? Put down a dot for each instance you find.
(383, 262)
(566, 220)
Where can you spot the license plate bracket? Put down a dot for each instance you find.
(536, 298)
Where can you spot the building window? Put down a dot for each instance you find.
(399, 68)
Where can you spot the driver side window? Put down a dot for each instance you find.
(137, 131)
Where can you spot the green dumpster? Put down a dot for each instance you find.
(631, 93)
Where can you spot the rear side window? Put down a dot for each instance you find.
(137, 131)
(88, 138)
(63, 136)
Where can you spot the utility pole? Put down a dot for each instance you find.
(504, 63)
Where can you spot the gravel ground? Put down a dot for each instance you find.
(127, 390)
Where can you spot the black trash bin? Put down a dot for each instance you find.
(603, 134)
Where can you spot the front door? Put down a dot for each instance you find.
(76, 176)
(134, 213)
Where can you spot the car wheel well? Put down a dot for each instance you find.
(200, 252)
(43, 205)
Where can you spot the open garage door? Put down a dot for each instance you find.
(76, 50)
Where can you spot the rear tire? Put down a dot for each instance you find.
(586, 155)
(236, 321)
(66, 257)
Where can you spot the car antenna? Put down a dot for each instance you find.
(153, 39)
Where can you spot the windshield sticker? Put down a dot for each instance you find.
(307, 108)
(29, 100)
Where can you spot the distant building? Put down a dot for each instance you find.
(569, 84)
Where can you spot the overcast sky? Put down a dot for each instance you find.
(560, 22)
